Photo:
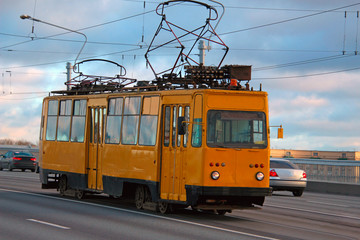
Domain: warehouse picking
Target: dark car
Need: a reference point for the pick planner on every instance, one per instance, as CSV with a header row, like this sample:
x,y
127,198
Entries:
x,y
286,176
18,160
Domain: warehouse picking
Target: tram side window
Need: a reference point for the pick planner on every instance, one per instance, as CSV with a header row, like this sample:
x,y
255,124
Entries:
x,y
78,121
129,134
114,118
51,120
148,122
197,123
63,130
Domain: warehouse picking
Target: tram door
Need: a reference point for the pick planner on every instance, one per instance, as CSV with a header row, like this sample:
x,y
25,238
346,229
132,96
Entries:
x,y
97,116
174,145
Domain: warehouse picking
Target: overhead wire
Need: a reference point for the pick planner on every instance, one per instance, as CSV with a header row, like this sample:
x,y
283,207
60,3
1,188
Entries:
x,y
307,75
284,50
264,25
236,31
89,27
288,20
64,61
146,12
313,60
21,99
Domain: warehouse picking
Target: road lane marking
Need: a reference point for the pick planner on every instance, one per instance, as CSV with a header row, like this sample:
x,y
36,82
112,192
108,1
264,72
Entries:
x,y
311,211
144,214
47,223
330,204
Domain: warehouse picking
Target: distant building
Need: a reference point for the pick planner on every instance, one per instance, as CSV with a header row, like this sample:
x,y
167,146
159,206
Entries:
x,y
333,166
313,154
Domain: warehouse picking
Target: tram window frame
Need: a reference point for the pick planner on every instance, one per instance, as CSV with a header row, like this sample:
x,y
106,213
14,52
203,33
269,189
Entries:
x,y
78,122
174,126
42,122
130,122
114,119
187,120
167,124
180,114
64,121
149,121
197,128
51,123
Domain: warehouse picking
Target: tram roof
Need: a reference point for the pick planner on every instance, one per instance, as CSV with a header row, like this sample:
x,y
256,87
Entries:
x,y
228,77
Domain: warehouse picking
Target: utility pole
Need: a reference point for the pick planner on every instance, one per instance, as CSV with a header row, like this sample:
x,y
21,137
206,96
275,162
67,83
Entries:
x,y
10,81
68,75
3,83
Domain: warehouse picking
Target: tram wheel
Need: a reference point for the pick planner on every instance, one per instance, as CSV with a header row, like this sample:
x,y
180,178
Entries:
x,y
62,185
220,212
79,194
164,207
139,197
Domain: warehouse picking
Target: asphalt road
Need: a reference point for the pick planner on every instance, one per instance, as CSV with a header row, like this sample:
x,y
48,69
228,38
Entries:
x,y
29,212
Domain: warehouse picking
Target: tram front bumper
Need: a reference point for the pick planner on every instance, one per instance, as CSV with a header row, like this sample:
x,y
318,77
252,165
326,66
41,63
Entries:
x,y
241,196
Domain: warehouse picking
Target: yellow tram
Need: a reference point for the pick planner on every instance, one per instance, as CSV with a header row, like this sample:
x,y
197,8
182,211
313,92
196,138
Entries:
x,y
201,140
208,148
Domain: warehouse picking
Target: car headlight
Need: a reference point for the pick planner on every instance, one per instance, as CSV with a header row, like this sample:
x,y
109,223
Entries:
x,y
215,175
259,176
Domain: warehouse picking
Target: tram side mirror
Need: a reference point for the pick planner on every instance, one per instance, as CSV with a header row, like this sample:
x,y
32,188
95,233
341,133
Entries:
x,y
181,126
280,132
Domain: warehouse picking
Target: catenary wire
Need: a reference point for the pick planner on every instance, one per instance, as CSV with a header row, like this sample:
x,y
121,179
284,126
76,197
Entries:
x,y
313,60
308,75
288,20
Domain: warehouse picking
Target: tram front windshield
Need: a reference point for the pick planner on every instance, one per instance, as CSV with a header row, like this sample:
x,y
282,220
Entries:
x,y
236,129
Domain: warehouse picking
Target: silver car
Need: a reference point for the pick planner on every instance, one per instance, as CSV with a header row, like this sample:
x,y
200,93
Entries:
x,y
286,176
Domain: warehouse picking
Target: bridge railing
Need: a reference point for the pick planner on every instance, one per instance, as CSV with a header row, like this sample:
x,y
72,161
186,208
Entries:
x,y
339,171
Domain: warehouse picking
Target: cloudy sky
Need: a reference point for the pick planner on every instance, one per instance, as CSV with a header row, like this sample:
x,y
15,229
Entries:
x,y
303,53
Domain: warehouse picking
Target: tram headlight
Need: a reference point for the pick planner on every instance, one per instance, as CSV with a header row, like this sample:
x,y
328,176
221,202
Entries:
x,y
259,176
215,175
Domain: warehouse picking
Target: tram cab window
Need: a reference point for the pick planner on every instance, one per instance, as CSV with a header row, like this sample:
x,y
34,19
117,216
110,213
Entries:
x,y
236,129
78,121
130,127
113,123
51,120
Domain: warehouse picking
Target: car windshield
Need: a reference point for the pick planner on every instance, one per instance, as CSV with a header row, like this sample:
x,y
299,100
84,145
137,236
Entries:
x,y
22,154
282,164
236,129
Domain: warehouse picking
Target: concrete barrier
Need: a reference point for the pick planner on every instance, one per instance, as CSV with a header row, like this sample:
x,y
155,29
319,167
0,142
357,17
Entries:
x,y
333,188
